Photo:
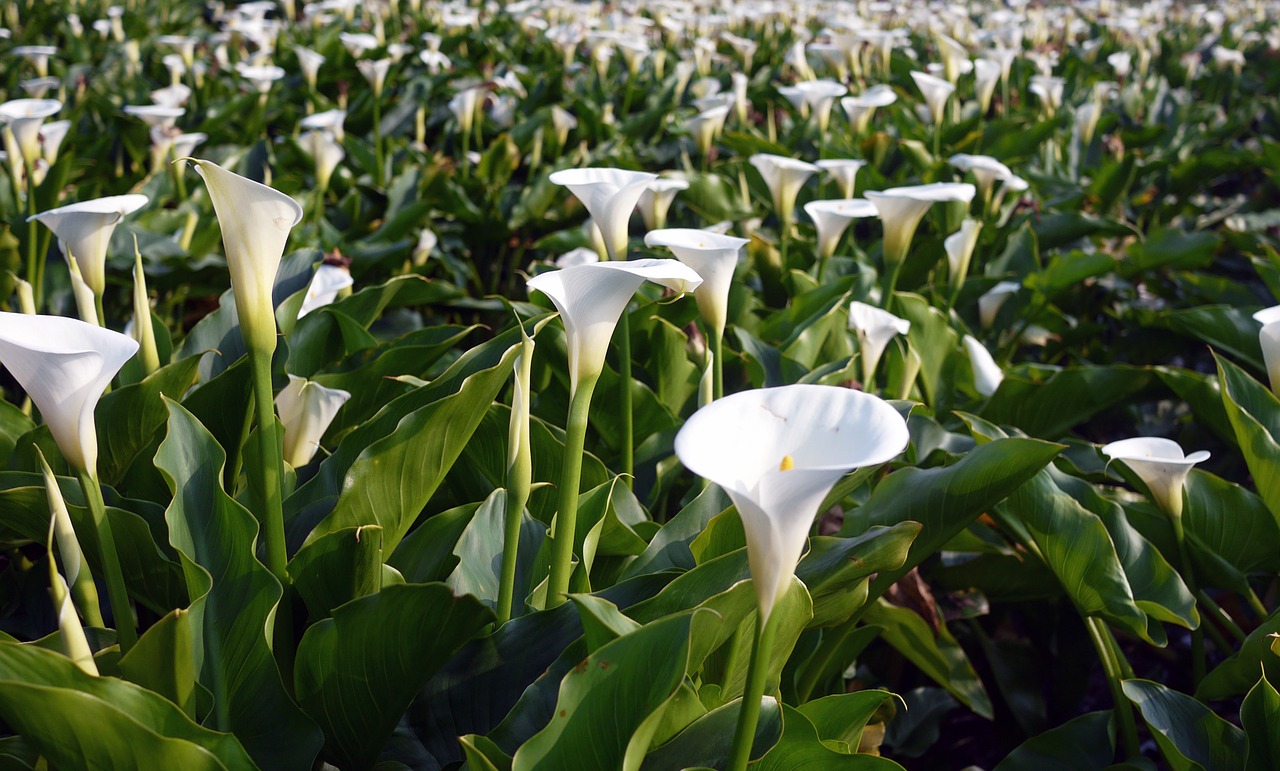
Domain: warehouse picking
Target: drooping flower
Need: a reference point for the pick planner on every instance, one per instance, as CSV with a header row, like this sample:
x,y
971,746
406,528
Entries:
x,y
987,375
306,410
777,452
1160,464
610,196
592,297
64,365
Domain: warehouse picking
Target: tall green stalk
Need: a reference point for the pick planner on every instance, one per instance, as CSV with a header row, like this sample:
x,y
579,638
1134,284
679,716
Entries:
x,y
519,479
1113,668
575,438
1198,664
624,399
757,673
117,592
717,366
268,478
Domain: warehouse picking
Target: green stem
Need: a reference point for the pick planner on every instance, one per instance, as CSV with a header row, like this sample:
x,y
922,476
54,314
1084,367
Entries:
x,y
1123,710
1252,599
269,474
749,715
377,140
717,366
117,592
35,262
1221,615
624,398
102,314
1198,665
575,439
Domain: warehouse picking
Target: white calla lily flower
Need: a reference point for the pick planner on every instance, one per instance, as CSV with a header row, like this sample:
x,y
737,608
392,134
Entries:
x,y
306,410
1269,338
987,375
986,76
784,176
902,208
714,257
844,171
657,198
862,107
936,92
991,300
25,117
1160,464
959,248
777,452
325,285
255,221
874,327
833,216
610,196
64,365
591,299
84,230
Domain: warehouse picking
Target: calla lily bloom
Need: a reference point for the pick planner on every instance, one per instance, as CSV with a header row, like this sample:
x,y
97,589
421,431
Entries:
x,y
610,196
325,285
844,171
818,96
591,299
861,108
84,230
874,327
25,117
1160,464
306,410
784,176
1049,90
986,76
832,217
987,375
902,208
1269,337
657,198
985,169
714,257
936,92
255,221
64,365
989,303
326,151
706,126
777,452
959,248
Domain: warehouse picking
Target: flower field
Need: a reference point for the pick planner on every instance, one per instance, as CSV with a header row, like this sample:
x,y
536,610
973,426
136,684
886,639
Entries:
x,y
648,385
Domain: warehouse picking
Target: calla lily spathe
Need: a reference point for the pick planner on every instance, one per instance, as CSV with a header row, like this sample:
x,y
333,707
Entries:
x,y
832,217
784,176
987,375
875,327
959,247
255,221
777,452
591,299
844,171
325,285
84,230
936,92
610,196
657,198
306,410
1160,464
64,365
902,208
714,257
25,117
1269,338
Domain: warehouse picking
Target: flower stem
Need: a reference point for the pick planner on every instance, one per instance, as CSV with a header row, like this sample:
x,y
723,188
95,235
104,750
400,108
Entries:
x,y
717,366
117,592
624,398
519,481
757,672
35,261
1111,666
575,438
268,476
1198,666
377,140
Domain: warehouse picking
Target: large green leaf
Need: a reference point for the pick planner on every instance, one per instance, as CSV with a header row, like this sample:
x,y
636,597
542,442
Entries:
x,y
386,470
77,720
1190,736
933,339
937,655
609,696
669,548
128,418
1260,716
233,596
708,740
357,672
1255,415
1239,672
337,568
947,500
842,717
1227,329
1048,401
480,548
801,749
164,661
1085,743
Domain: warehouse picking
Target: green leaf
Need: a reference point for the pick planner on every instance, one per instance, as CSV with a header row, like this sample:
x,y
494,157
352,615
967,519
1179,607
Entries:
x,y
670,547
801,749
932,337
708,740
128,418
1227,329
340,567
357,672
71,717
163,661
480,547
947,500
938,656
13,424
842,717
1239,672
1255,415
233,596
605,700
1189,735
391,479
1085,743
1260,716
1048,401
835,569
